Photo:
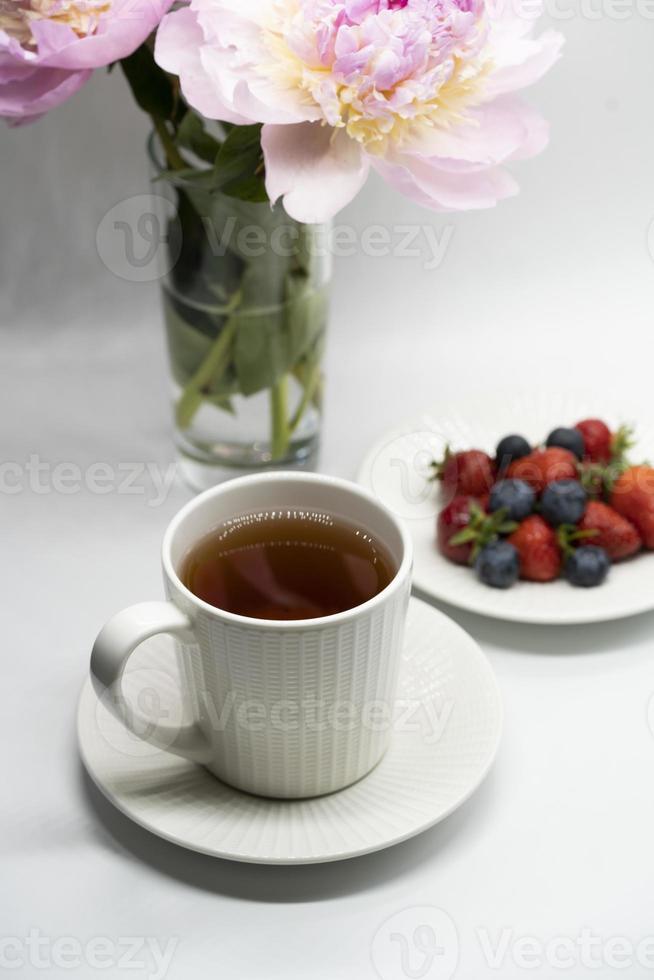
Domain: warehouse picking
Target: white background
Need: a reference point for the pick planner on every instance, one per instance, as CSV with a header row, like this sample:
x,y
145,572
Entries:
x,y
554,289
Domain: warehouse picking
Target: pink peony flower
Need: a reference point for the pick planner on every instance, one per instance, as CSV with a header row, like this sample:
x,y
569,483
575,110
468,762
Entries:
x,y
420,90
49,48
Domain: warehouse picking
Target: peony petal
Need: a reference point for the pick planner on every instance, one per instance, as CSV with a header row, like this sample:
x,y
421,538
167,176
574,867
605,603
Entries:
x,y
119,34
257,11
233,52
317,170
15,62
522,61
239,91
44,89
51,38
178,50
505,129
517,17
443,190
536,131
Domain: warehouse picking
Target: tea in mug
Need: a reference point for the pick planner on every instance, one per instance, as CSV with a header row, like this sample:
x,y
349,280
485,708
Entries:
x,y
287,564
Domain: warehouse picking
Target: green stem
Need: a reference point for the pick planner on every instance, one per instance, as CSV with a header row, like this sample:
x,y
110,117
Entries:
x,y
310,389
214,364
280,434
173,156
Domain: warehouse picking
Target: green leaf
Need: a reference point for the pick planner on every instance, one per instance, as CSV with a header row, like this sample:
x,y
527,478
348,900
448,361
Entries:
x,y
201,179
206,272
260,351
192,135
150,85
309,374
223,402
188,347
247,189
239,157
622,441
464,536
275,331
306,314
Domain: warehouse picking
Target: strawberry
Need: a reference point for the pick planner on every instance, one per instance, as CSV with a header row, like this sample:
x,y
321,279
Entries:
x,y
605,457
596,478
463,527
633,497
544,466
597,438
452,519
470,473
484,500
615,533
537,546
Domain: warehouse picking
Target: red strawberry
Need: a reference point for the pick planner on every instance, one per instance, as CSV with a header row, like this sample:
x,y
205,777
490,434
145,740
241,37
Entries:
x,y
598,440
617,535
465,518
604,460
544,466
452,519
470,473
540,555
633,498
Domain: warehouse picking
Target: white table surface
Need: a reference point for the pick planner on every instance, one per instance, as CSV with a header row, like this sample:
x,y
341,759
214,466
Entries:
x,y
555,286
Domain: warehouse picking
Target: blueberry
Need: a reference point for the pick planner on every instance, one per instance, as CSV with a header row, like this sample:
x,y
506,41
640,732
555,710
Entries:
x,y
498,564
510,448
587,566
515,496
563,502
570,439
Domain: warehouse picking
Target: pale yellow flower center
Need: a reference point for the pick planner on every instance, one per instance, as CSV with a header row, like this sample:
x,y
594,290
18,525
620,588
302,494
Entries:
x,y
432,95
82,16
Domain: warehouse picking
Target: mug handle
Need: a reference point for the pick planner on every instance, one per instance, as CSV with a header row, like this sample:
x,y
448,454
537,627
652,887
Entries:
x,y
112,649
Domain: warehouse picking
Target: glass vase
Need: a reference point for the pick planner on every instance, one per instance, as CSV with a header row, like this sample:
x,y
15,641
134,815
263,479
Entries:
x,y
245,293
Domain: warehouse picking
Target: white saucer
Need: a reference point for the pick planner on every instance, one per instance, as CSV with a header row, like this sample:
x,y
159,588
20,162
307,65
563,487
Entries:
x,y
438,757
397,471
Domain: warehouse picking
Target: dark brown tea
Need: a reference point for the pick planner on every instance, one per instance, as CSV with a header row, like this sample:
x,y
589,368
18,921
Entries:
x,y
287,564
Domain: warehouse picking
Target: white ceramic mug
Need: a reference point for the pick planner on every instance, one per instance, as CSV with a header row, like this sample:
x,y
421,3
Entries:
x,y
283,709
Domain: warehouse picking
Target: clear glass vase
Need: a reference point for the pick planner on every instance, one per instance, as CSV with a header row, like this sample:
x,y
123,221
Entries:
x,y
245,294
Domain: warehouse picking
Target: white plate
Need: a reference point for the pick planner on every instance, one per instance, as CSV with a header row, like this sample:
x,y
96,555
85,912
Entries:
x,y
444,741
397,471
